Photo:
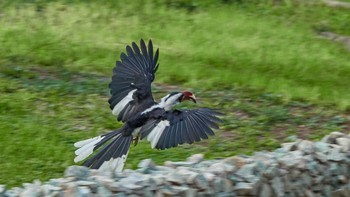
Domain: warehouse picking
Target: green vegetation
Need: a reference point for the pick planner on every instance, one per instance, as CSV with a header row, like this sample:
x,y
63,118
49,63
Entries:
x,y
262,63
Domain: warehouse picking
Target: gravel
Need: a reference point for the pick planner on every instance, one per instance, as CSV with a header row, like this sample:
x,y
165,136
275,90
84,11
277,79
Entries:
x,y
298,168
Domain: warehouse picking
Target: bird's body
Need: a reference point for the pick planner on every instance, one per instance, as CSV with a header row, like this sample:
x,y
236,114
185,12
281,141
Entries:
x,y
132,102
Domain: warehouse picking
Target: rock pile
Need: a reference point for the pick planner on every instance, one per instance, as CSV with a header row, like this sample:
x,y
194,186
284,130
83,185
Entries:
x,y
299,168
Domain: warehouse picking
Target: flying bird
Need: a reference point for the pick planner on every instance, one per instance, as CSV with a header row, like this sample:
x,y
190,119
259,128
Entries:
x,y
132,103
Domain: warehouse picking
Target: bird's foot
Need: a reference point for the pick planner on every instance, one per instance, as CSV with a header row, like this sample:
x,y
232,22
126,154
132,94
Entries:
x,y
135,140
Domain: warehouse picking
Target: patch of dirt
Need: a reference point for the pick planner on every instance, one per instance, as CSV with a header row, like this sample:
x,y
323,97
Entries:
x,y
345,40
337,4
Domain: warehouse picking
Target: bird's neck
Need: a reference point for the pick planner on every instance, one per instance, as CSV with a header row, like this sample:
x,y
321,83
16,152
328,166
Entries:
x,y
169,101
166,103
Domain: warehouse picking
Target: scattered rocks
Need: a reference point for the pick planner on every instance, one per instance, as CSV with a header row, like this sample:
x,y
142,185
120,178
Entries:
x,y
298,168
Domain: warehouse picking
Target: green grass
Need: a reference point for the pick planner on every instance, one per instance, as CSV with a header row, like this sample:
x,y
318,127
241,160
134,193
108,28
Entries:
x,y
263,65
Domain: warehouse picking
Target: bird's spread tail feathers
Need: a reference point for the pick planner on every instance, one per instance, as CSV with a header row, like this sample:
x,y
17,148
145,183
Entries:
x,y
112,155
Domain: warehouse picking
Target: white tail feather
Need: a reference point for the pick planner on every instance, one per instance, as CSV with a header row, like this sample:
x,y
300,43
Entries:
x,y
120,106
155,134
83,142
86,148
114,164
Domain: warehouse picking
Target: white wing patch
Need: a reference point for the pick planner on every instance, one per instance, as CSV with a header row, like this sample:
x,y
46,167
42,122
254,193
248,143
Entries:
x,y
120,106
86,148
157,131
166,103
114,164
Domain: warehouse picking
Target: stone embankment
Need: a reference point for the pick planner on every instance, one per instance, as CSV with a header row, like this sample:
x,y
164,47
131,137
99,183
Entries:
x,y
299,168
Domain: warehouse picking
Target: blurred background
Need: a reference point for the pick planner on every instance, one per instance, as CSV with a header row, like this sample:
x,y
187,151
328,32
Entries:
x,y
275,67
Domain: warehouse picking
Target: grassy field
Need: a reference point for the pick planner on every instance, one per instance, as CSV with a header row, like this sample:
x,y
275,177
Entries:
x,y
263,64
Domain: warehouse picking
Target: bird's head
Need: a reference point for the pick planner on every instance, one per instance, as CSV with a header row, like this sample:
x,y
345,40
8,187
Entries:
x,y
175,98
188,96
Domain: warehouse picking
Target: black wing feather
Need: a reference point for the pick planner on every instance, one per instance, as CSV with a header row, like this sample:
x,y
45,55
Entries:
x,y
135,70
186,126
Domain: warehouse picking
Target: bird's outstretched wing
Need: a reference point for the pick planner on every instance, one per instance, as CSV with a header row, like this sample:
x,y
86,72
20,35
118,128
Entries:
x,y
131,81
178,127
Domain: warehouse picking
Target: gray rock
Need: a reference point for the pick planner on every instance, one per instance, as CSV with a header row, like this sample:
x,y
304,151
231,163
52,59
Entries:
x,y
336,134
191,193
201,182
270,172
11,193
291,138
90,184
167,191
186,174
277,186
175,178
163,170
340,193
294,174
225,194
79,172
328,139
209,176
266,191
335,155
131,186
306,179
146,163
227,185
135,178
302,165
147,192
306,146
49,189
84,191
289,146
244,189
321,147
196,158
102,191
321,157
180,163
218,185
246,170
291,159
309,193
61,181
180,190
158,179
105,181
327,191
2,189
237,178
344,143
313,167
229,161
71,189
344,169
342,179
32,189
261,166
217,168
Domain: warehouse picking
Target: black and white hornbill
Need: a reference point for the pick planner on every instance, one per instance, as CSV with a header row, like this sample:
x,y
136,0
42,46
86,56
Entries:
x,y
133,104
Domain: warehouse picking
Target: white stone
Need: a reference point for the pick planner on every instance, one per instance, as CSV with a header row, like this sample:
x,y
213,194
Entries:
x,y
344,143
196,158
